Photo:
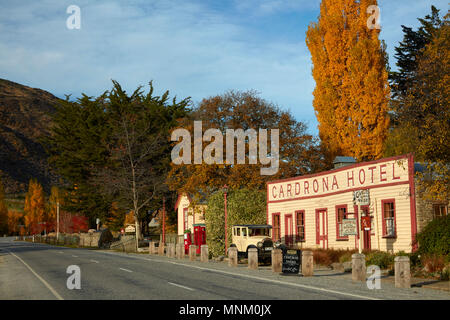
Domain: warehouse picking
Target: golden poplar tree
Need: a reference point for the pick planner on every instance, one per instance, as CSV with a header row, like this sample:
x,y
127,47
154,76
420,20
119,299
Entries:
x,y
352,92
52,204
34,208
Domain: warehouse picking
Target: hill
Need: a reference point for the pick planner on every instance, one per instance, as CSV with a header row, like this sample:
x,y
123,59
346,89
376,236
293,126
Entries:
x,y
24,119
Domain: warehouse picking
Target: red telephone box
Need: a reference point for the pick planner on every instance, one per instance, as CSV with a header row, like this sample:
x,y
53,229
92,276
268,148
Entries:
x,y
199,236
187,241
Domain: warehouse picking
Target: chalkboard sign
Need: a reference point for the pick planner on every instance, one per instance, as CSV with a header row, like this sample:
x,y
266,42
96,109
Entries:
x,y
292,260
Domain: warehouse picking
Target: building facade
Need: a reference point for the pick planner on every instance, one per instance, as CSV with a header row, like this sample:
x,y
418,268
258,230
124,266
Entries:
x,y
189,215
310,211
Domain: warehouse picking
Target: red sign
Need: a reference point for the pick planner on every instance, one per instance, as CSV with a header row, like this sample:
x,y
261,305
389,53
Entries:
x,y
365,223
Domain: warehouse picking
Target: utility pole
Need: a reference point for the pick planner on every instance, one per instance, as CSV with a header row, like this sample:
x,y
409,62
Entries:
x,y
164,221
225,192
57,220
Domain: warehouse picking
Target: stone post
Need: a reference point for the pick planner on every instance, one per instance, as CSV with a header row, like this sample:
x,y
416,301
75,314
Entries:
x,y
204,257
180,250
307,263
151,247
253,258
192,252
171,250
277,260
161,248
402,272
168,246
232,257
358,267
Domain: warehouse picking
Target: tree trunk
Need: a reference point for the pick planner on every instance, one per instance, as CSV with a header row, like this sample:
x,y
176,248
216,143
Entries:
x,y
138,232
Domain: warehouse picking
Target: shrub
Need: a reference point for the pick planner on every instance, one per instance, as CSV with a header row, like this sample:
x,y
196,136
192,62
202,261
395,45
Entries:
x,y
328,256
382,259
346,257
433,262
435,237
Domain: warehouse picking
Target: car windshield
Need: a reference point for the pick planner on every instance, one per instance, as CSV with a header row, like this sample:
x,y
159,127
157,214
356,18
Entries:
x,y
259,232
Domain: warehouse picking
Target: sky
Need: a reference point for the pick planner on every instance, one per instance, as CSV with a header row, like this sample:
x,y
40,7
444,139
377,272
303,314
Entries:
x,y
193,48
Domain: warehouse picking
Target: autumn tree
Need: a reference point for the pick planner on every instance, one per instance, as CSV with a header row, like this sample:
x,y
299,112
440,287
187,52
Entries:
x,y
3,212
54,200
34,208
408,118
234,110
15,218
116,219
352,92
427,104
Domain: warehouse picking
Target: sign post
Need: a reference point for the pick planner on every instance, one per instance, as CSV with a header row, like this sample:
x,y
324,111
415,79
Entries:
x,y
361,198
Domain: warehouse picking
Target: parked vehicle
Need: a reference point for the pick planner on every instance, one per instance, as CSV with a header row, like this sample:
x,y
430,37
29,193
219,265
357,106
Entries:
x,y
257,236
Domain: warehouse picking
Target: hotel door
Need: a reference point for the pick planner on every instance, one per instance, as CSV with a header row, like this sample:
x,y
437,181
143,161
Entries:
x,y
366,233
288,233
322,228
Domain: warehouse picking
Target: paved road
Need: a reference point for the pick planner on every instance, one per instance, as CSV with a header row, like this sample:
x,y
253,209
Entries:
x,y
38,271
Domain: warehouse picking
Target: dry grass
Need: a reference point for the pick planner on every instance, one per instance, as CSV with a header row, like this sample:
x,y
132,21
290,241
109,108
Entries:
x,y
328,256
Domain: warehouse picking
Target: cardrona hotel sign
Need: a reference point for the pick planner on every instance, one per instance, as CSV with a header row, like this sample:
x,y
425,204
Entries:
x,y
346,179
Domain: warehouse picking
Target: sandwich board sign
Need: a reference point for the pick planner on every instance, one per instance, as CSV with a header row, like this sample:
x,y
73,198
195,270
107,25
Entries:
x,y
292,261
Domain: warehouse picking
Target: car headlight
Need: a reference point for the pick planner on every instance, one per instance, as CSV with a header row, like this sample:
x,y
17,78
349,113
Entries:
x,y
260,244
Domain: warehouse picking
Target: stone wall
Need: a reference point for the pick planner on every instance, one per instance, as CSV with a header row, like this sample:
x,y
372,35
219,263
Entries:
x,y
127,243
424,211
89,239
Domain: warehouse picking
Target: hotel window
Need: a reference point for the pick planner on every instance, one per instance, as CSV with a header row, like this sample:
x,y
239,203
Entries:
x,y
300,225
388,218
439,210
341,214
276,226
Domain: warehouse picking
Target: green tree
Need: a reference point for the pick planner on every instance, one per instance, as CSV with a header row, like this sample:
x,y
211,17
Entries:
x,y
77,144
244,206
114,148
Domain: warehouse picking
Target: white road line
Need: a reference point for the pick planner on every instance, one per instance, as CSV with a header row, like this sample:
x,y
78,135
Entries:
x,y
94,261
39,277
125,270
179,285
74,256
60,252
257,278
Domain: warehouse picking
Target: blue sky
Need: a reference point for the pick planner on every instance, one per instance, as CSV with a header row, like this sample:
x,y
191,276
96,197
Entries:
x,y
196,48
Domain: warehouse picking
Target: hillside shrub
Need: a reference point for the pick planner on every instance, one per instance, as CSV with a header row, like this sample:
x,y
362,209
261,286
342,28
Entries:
x,y
435,237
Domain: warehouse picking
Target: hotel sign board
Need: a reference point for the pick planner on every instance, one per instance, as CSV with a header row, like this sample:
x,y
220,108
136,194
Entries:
x,y
349,227
346,179
361,197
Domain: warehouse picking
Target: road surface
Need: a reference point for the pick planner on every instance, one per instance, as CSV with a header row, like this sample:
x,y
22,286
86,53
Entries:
x,y
31,271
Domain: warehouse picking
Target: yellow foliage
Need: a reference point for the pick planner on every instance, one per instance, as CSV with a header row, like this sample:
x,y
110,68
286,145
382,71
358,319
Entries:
x,y
352,92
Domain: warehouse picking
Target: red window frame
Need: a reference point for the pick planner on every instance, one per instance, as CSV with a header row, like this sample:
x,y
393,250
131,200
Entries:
x,y
276,229
384,219
338,235
299,238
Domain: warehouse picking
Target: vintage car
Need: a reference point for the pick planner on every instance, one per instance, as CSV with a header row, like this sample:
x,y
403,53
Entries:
x,y
246,236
